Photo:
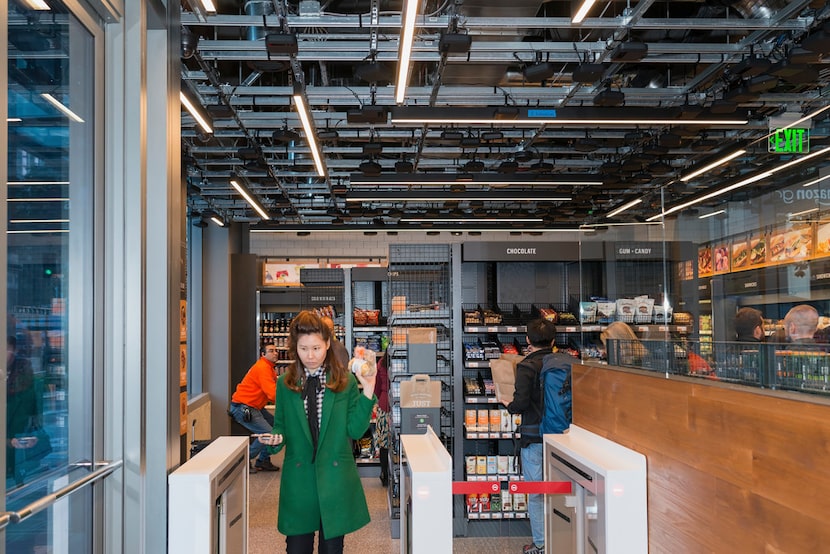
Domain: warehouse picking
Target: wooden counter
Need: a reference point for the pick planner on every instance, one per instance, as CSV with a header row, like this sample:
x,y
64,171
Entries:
x,y
731,469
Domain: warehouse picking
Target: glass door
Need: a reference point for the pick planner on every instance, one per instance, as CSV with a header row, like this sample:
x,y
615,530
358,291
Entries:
x,y
49,235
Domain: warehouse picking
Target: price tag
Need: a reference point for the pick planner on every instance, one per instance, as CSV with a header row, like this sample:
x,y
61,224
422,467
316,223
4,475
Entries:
x,y
681,328
492,329
512,329
570,329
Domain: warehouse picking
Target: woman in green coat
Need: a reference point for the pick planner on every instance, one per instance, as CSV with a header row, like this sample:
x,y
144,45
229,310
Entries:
x,y
319,411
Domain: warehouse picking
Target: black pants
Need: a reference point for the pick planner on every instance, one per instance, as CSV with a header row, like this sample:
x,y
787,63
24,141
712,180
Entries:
x,y
304,544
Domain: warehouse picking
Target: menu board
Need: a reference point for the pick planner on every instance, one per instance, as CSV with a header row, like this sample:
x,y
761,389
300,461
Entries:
x,y
823,239
283,274
740,254
721,256
757,249
704,260
791,243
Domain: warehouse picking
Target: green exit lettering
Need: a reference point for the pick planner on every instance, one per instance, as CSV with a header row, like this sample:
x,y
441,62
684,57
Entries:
x,y
790,141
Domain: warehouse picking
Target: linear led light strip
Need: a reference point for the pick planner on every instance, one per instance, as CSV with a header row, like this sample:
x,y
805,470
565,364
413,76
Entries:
x,y
27,183
462,198
411,182
250,200
308,128
197,115
713,165
815,181
805,212
208,6
595,226
37,199
37,231
61,108
473,220
39,5
740,184
711,214
358,229
624,207
22,221
554,121
405,48
582,11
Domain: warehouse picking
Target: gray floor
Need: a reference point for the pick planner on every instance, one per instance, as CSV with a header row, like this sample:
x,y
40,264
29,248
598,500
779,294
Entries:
x,y
375,538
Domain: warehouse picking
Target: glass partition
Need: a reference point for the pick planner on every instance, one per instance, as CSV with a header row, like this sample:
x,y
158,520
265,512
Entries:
x,y
49,243
740,291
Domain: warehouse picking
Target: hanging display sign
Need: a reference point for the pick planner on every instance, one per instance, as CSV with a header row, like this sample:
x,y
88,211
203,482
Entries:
x,y
820,273
747,282
789,141
635,250
520,251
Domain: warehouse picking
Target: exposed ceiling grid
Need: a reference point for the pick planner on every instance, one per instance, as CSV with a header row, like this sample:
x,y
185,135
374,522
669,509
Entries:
x,y
526,67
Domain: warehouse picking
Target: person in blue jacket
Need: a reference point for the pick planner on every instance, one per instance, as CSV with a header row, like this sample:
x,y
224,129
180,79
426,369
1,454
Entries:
x,y
319,410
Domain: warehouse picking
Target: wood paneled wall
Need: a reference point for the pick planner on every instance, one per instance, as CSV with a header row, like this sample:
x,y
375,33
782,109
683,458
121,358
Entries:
x,y
730,469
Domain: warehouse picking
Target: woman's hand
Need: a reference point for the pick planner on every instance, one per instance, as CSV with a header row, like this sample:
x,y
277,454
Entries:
x,y
367,371
269,439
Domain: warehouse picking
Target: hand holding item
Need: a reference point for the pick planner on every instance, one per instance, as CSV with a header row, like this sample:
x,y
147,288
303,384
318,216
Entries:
x,y
364,362
269,439
364,366
24,442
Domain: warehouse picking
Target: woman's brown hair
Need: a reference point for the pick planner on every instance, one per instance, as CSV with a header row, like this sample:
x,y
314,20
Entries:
x,y
309,323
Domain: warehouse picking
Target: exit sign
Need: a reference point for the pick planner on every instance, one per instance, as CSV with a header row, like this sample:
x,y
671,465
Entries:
x,y
790,141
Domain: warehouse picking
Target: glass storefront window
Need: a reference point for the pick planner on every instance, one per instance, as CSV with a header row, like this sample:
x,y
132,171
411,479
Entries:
x,y
49,244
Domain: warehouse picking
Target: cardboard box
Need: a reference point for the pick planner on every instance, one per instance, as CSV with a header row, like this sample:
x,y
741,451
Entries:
x,y
398,304
422,350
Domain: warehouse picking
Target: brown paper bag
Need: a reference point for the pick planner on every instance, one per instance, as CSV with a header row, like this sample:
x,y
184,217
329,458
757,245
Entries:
x,y
420,392
504,375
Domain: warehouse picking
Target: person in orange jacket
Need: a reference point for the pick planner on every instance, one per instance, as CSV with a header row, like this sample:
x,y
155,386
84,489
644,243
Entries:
x,y
257,389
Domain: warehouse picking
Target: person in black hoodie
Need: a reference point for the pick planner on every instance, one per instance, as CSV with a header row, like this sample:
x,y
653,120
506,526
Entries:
x,y
527,400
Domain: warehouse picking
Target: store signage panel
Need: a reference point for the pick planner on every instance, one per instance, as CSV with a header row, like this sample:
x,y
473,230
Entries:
x,y
281,274
746,282
520,251
323,298
820,273
635,250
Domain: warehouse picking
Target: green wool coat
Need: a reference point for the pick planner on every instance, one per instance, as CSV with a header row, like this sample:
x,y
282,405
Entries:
x,y
328,490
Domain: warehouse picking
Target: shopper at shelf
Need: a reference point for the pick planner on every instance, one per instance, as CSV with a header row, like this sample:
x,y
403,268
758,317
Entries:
x,y
749,325
801,323
319,408
256,390
527,400
625,348
382,437
337,347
